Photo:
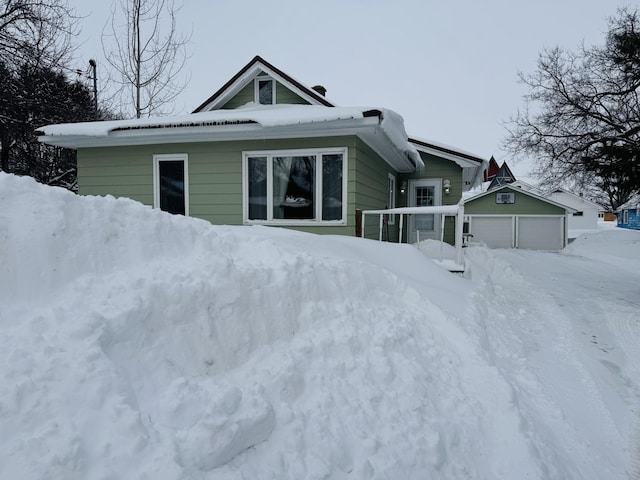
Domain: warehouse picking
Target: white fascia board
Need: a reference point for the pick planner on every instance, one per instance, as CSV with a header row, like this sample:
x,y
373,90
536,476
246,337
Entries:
x,y
461,161
476,169
213,133
367,128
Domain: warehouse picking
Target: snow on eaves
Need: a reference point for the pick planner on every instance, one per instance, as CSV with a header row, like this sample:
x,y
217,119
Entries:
x,y
633,202
271,116
450,149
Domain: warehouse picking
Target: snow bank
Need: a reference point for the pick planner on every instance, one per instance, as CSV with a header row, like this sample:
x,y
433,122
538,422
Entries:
x,y
616,246
136,344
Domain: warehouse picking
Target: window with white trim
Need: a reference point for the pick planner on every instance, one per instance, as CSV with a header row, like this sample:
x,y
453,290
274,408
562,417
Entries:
x,y
265,91
625,217
170,183
391,201
295,187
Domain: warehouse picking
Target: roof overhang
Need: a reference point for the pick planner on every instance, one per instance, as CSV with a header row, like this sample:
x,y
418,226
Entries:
x,y
472,166
383,136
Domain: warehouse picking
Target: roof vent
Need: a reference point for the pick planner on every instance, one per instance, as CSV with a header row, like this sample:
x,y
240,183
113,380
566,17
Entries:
x,y
320,89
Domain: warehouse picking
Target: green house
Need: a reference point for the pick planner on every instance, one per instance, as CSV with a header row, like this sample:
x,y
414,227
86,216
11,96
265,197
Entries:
x,y
267,150
510,216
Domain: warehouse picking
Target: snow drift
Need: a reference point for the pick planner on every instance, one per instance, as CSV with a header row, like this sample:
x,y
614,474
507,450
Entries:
x,y
136,344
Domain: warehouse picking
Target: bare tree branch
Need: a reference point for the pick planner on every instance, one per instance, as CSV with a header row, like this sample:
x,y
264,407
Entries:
x,y
147,53
581,120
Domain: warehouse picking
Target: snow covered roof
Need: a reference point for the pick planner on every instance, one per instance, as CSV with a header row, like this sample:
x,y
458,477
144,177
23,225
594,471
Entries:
x,y
381,128
563,196
527,187
633,202
473,166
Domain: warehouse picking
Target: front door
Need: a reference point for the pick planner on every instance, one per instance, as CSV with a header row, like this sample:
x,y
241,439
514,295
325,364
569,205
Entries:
x,y
425,193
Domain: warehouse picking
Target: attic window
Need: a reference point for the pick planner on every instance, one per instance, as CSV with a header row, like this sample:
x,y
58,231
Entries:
x,y
265,91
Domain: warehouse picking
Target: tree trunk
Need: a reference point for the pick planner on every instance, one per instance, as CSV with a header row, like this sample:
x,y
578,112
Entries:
x,y
4,151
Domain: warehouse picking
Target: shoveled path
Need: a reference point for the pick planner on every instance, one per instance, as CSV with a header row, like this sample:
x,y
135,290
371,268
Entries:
x,y
602,300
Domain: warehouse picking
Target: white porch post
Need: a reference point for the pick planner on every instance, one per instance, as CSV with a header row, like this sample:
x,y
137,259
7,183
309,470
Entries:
x,y
400,235
364,215
380,236
459,227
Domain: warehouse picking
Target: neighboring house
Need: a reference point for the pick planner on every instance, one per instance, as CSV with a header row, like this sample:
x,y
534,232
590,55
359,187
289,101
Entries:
x,y
585,216
629,214
267,150
504,176
512,217
527,187
491,170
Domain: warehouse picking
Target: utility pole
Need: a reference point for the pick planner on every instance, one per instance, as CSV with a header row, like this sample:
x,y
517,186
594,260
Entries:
x,y
92,64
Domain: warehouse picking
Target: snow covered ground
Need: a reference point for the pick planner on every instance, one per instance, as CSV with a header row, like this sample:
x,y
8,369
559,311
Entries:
x,y
136,344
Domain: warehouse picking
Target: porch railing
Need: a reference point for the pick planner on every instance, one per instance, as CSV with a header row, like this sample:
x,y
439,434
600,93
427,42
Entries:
x,y
456,211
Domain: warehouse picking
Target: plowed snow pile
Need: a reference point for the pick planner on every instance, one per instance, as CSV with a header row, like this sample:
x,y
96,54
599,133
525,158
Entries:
x,y
136,344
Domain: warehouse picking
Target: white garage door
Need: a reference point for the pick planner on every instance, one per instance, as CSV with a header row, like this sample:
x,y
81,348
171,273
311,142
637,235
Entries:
x,y
540,233
496,232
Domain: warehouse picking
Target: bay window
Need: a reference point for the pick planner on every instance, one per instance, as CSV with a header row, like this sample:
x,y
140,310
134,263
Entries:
x,y
295,186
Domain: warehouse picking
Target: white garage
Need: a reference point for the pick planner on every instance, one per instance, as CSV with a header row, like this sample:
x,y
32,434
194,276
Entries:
x,y
508,217
540,233
495,231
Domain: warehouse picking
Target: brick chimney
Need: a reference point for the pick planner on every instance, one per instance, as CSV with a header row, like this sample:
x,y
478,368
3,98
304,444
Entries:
x,y
320,89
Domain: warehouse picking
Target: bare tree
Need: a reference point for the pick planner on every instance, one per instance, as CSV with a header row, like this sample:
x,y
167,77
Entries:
x,y
581,120
147,53
37,32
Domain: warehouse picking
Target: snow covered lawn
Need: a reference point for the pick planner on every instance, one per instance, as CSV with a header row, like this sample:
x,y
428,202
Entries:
x,y
136,344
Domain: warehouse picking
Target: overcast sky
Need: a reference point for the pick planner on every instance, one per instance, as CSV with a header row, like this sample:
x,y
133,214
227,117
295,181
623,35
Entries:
x,y
449,68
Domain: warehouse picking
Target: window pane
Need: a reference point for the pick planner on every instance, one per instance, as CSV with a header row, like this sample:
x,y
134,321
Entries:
x,y
332,187
425,198
171,175
294,187
257,188
265,92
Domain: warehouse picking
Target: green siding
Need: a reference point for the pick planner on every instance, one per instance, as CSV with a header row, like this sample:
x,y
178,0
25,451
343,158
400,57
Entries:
x,y
524,205
215,178
244,96
439,168
247,95
372,177
215,175
284,95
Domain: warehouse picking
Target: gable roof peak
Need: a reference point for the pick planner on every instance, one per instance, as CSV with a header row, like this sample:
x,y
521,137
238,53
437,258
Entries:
x,y
248,73
502,177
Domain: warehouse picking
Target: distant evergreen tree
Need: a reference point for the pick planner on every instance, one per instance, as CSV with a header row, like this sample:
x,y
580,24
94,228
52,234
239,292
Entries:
x,y
31,97
40,96
35,49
